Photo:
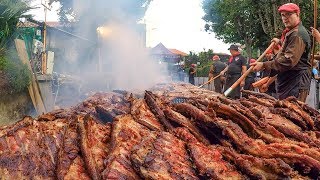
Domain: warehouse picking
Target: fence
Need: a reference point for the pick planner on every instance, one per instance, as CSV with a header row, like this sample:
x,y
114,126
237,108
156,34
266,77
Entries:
x,y
201,80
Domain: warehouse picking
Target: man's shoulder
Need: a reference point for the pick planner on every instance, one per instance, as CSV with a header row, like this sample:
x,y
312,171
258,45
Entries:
x,y
241,57
301,32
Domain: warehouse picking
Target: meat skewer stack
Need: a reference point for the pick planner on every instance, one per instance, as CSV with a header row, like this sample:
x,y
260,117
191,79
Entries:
x,y
172,131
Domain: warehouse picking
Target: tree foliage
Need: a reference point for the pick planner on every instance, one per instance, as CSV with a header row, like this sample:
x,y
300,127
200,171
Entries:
x,y
10,12
17,73
250,22
203,61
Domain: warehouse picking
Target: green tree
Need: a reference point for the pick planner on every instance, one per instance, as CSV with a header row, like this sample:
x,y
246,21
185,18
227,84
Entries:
x,y
232,21
203,61
10,12
17,73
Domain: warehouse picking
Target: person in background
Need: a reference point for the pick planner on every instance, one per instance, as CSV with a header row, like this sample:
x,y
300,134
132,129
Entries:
x,y
236,67
192,73
315,72
181,73
215,69
250,78
313,97
292,62
316,34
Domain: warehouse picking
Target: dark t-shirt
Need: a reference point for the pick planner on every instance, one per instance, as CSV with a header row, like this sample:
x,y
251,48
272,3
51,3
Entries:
x,y
235,66
218,66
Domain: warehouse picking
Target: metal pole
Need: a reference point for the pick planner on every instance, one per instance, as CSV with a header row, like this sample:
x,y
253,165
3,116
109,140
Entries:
x,y
44,55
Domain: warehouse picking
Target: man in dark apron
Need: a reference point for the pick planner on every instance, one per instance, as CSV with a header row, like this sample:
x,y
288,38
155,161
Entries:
x,y
215,69
236,67
292,62
192,73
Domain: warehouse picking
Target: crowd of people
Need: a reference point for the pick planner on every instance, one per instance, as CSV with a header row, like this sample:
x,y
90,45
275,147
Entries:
x,y
287,69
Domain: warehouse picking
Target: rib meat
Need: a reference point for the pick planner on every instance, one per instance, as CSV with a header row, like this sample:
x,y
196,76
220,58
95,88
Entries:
x,y
296,108
70,162
163,157
291,154
183,121
156,108
258,168
126,133
142,114
94,140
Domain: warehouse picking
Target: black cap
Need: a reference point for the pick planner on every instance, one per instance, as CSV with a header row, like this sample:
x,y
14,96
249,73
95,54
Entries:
x,y
234,47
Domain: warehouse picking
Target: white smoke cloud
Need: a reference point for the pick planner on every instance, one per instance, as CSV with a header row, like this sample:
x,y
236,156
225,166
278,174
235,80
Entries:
x,y
120,52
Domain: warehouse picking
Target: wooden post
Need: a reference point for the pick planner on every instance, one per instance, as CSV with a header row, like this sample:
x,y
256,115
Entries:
x,y
33,88
44,55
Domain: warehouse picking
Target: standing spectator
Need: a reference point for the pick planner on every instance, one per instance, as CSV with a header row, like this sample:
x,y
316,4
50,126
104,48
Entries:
x,y
215,69
236,67
250,78
313,97
192,73
181,73
292,62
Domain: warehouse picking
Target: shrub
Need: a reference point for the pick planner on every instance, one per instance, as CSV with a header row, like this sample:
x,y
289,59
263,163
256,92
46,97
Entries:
x,y
18,74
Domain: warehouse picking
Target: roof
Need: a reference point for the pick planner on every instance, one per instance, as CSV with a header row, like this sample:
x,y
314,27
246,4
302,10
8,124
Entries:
x,y
26,24
176,51
160,49
34,23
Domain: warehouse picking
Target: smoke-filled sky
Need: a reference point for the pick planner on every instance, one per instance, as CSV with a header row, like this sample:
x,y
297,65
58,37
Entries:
x,y
175,23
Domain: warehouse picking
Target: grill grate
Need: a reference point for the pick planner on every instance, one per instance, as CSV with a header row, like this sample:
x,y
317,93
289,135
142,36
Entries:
x,y
179,100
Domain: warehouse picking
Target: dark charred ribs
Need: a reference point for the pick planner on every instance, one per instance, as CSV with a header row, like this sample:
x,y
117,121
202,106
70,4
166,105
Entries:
x,y
258,95
155,107
183,121
29,149
263,102
163,157
258,168
70,162
25,122
250,124
142,114
178,131
208,159
126,133
289,153
282,124
94,140
293,106
291,115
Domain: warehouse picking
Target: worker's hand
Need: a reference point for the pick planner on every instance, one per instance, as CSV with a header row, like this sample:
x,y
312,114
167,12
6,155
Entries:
x,y
315,33
257,66
264,88
242,83
276,41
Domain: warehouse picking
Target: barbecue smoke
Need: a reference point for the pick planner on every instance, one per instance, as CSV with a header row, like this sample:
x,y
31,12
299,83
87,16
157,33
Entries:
x,y
115,58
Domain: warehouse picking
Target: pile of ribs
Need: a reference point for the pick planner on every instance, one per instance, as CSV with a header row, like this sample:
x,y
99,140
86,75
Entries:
x,y
170,131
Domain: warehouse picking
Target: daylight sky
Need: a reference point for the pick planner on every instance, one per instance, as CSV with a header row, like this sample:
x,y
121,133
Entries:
x,y
175,23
